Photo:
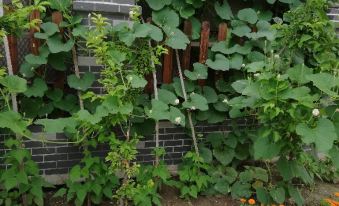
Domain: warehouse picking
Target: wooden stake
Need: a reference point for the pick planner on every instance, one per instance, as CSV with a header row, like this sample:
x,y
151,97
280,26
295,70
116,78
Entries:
x,y
168,66
204,43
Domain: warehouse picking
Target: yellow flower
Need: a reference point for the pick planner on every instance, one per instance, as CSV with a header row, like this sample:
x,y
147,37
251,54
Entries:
x,y
251,201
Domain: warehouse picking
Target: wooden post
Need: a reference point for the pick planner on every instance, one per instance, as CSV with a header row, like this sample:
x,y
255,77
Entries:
x,y
35,43
222,35
186,61
168,66
204,44
60,75
13,51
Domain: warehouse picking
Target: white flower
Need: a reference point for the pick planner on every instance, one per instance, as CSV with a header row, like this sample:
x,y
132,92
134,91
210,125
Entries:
x,y
177,120
177,101
243,65
150,111
277,56
193,108
130,78
225,101
132,14
257,74
278,76
316,112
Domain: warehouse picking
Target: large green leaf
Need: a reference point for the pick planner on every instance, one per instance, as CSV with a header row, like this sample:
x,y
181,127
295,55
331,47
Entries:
x,y
14,122
83,83
296,195
225,156
199,72
323,135
166,18
265,149
249,15
50,28
38,88
236,61
57,125
56,44
157,5
176,38
299,73
176,116
168,97
210,94
196,101
224,11
325,82
58,61
36,60
221,63
278,194
14,84
136,81
159,110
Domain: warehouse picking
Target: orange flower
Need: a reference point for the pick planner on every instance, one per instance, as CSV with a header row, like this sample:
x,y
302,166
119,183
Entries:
x,y
336,194
251,201
281,205
242,200
331,202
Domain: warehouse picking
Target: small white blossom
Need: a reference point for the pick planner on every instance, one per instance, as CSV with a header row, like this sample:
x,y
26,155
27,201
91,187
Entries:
x,y
192,93
132,14
177,120
277,56
337,110
177,101
316,112
278,76
257,74
193,108
243,65
225,101
150,111
130,78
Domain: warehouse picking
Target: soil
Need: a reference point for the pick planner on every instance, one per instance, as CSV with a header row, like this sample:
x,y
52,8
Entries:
x,y
313,197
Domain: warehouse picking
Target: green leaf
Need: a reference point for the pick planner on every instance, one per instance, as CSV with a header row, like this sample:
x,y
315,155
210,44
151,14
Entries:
x,y
241,30
221,63
60,193
57,125
225,156
255,66
196,28
50,28
199,72
264,149
224,11
210,94
75,173
298,73
27,69
249,15
166,18
38,88
58,60
176,39
10,183
187,12
262,195
334,154
159,110
56,45
323,135
196,101
176,116
157,5
296,195
35,60
85,116
278,195
168,97
222,187
240,190
83,83
206,154
14,122
136,81
325,82
14,84
236,61
155,33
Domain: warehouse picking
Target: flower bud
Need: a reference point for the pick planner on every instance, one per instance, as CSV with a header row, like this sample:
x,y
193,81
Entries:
x,y
315,112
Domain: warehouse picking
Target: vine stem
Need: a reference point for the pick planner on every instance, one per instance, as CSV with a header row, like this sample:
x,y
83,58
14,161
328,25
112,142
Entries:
x,y
189,114
156,97
77,73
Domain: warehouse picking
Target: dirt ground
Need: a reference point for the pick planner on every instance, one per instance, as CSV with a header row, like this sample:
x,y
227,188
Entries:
x,y
312,196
